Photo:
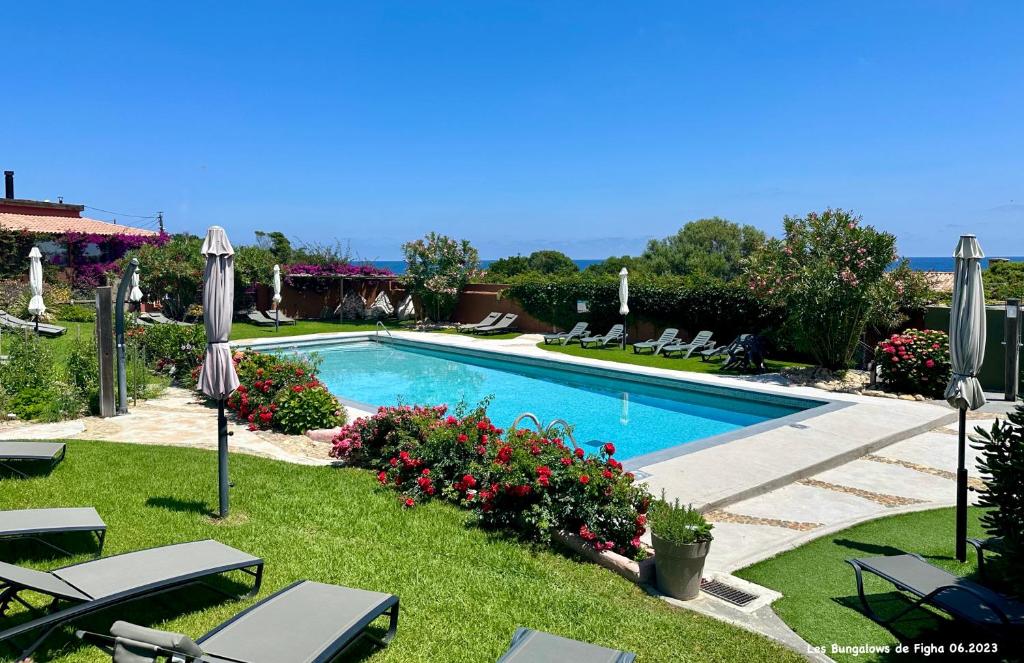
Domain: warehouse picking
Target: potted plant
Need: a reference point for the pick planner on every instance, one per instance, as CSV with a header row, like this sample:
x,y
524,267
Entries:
x,y
681,538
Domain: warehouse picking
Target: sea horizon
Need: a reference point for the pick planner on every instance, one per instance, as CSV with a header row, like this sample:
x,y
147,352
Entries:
x,y
917,263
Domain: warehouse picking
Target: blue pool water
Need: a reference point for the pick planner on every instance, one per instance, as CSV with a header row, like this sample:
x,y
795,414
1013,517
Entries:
x,y
639,419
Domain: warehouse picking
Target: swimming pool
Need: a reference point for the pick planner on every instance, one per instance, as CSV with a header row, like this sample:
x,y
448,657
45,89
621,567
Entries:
x,y
641,415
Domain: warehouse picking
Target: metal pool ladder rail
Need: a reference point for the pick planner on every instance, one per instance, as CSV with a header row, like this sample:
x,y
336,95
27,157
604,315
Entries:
x,y
376,331
546,430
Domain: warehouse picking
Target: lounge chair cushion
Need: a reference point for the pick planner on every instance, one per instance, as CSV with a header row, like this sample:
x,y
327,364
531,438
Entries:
x,y
917,576
30,450
118,573
296,624
40,581
132,641
530,646
39,521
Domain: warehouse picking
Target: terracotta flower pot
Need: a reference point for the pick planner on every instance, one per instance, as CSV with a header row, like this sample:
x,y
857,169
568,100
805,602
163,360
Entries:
x,y
679,566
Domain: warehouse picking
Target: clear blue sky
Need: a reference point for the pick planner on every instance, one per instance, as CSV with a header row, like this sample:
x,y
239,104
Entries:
x,y
583,126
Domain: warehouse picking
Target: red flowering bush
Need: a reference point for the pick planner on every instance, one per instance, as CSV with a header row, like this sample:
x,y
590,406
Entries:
x,y
281,393
915,361
520,481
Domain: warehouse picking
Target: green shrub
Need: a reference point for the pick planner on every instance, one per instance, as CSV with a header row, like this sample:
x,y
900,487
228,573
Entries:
x,y
172,349
1002,469
75,313
678,523
29,365
438,268
1004,280
825,272
81,368
302,408
693,304
519,481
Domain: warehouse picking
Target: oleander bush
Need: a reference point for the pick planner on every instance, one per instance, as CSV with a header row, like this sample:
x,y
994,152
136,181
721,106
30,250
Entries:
x,y
518,481
282,393
915,361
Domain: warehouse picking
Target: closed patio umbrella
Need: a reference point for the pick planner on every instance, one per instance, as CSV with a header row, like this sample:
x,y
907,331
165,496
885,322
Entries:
x,y
36,307
624,301
136,293
277,295
966,353
218,379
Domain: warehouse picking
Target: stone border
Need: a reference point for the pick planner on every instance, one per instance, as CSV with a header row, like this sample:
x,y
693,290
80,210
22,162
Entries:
x,y
639,572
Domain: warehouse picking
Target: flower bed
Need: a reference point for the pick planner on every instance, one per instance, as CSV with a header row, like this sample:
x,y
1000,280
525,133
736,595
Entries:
x,y
282,394
519,481
915,361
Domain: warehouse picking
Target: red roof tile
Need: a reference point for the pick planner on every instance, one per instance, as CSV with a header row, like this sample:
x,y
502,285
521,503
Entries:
x,y
56,225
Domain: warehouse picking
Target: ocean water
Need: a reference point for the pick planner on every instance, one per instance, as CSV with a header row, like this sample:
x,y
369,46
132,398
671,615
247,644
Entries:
x,y
638,418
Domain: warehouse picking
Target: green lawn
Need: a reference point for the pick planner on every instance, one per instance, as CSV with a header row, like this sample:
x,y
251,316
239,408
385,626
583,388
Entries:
x,y
627,356
463,590
492,337
820,598
244,330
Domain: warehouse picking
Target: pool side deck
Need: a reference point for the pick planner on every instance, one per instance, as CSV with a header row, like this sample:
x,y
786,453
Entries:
x,y
717,472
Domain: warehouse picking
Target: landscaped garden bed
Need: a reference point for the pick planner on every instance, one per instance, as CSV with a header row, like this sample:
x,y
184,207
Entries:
x,y
463,589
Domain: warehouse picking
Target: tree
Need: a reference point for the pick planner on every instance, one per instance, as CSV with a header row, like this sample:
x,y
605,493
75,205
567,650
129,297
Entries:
x,y
438,267
901,294
540,262
253,264
711,247
825,272
277,243
172,272
1004,280
614,265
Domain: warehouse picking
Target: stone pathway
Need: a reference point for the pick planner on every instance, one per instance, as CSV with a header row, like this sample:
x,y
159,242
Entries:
x,y
177,418
914,474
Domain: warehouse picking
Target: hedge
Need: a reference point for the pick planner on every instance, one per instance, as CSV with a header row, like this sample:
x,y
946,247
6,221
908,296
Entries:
x,y
727,309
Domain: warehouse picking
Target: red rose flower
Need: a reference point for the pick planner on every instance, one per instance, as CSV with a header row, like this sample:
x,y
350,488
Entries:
x,y
463,437
584,479
609,449
409,502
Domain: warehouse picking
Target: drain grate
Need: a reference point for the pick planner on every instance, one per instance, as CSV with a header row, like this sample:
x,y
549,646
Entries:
x,y
719,589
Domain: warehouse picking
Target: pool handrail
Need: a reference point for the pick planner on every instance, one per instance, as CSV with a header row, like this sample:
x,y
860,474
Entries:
x,y
545,430
380,325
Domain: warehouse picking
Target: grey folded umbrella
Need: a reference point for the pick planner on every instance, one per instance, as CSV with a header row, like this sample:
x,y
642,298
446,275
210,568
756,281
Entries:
x,y
218,379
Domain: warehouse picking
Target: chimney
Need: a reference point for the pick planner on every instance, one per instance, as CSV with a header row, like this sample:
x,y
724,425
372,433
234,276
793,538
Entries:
x,y
9,184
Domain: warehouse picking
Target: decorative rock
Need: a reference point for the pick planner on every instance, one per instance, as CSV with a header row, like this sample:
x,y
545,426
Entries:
x,y
906,397
919,397
873,392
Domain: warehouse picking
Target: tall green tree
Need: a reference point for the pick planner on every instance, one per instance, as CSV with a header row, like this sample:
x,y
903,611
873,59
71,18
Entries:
x,y
172,272
438,267
277,243
540,262
711,247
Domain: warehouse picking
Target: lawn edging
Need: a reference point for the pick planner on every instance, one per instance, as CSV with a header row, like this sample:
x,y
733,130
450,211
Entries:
x,y
640,572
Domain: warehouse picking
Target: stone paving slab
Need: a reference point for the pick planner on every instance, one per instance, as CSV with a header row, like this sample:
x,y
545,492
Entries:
x,y
933,449
28,431
886,479
802,503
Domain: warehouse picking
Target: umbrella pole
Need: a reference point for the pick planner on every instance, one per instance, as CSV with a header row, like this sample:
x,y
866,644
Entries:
x,y
277,318
222,457
961,490
625,330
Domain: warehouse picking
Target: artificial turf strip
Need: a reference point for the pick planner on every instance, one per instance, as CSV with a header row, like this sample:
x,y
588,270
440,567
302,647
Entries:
x,y
819,594
463,590
627,356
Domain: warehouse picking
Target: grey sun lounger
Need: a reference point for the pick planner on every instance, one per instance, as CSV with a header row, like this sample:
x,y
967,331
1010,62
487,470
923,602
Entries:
x,y
529,646
257,318
14,322
156,317
489,320
82,589
960,598
37,523
614,334
577,332
656,345
702,341
25,451
306,621
282,318
503,325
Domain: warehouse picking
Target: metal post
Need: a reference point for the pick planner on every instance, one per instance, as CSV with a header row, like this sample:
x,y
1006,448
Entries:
x,y
222,457
961,490
1011,339
277,318
105,341
122,378
625,331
